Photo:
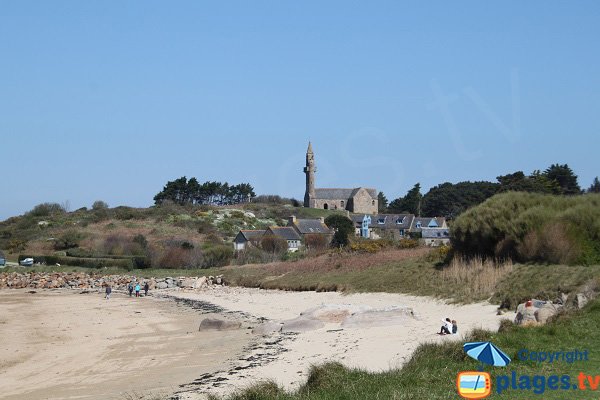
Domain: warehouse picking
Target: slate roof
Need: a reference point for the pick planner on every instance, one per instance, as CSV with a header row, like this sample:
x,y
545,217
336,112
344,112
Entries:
x,y
435,233
252,234
307,226
284,232
341,194
386,221
425,221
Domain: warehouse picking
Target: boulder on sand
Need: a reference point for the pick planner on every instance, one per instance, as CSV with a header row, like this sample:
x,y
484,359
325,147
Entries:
x,y
301,324
267,328
214,324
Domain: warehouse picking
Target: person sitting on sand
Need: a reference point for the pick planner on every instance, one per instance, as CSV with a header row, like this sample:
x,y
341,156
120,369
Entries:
x,y
446,329
108,291
454,327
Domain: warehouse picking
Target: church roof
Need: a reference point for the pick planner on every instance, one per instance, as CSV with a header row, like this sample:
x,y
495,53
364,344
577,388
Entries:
x,y
341,194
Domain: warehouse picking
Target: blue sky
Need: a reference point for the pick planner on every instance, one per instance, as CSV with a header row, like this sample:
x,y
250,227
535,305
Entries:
x,y
108,100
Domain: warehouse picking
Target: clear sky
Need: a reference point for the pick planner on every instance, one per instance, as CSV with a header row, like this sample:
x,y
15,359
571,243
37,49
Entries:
x,y
109,100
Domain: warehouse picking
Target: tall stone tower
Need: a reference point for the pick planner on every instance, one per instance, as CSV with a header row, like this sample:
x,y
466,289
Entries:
x,y
309,170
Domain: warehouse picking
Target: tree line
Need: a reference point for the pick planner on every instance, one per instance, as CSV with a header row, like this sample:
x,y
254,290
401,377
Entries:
x,y
183,192
451,199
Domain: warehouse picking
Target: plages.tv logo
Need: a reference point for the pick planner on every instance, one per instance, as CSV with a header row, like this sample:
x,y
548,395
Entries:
x,y
478,384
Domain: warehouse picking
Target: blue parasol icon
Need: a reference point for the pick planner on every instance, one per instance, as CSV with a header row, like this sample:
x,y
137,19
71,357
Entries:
x,y
487,353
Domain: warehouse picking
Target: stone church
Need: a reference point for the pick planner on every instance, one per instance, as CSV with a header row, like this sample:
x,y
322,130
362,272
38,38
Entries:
x,y
358,200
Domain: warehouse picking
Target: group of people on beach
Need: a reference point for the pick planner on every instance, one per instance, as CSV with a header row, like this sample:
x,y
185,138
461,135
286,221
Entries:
x,y
130,289
449,328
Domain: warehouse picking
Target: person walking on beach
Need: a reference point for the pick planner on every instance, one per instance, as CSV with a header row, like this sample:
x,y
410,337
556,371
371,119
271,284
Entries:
x,y
137,290
108,291
130,288
146,288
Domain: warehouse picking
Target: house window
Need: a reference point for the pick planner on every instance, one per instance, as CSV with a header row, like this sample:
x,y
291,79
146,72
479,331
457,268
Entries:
x,y
381,221
325,206
372,202
400,221
418,224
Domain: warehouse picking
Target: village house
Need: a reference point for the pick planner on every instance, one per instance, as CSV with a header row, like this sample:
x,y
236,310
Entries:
x,y
399,226
247,238
435,237
394,226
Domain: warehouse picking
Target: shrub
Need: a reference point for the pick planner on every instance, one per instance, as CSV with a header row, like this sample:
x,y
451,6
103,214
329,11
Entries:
x,y
46,209
217,256
68,240
99,205
408,243
369,246
532,227
272,244
315,242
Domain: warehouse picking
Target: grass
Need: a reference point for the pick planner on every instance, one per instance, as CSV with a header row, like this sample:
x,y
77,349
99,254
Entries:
x,y
432,370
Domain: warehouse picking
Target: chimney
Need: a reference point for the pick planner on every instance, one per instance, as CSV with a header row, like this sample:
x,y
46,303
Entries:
x,y
291,219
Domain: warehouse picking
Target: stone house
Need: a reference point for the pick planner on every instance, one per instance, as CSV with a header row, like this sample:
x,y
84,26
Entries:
x,y
420,223
435,237
394,226
247,238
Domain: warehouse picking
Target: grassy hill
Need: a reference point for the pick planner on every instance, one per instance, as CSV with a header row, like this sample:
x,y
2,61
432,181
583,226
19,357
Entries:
x,y
169,236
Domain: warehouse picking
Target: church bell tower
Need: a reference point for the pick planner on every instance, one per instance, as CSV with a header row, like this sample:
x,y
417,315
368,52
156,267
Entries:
x,y
309,170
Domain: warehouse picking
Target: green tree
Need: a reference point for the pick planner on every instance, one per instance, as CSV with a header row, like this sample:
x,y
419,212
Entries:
x,y
99,205
343,227
449,200
411,203
595,187
564,177
382,202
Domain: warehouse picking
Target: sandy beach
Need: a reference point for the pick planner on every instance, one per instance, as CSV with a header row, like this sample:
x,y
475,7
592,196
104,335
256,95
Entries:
x,y
61,344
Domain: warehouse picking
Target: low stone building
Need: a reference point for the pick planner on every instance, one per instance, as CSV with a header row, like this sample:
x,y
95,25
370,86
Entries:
x,y
394,226
435,237
247,238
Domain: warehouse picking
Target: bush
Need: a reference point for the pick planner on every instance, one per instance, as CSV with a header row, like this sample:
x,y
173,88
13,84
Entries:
x,y
68,240
99,205
369,246
408,243
217,256
273,244
315,242
532,227
46,209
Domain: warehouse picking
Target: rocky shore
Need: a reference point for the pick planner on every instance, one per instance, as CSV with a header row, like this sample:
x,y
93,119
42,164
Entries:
x,y
84,281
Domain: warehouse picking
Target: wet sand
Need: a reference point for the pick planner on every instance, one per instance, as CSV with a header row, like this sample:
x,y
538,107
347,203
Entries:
x,y
61,344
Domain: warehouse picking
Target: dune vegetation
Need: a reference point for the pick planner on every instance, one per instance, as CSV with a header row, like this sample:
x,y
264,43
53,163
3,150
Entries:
x,y
530,227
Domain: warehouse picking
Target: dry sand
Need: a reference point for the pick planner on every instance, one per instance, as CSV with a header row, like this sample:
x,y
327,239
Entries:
x,y
64,345
375,348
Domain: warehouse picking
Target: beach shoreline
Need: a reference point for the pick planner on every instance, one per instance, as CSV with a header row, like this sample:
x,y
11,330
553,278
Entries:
x,y
161,334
